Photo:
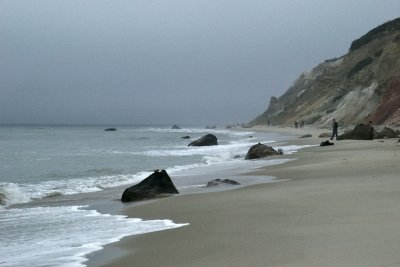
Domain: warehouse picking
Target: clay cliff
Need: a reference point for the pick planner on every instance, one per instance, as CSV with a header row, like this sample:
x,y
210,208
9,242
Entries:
x,y
361,86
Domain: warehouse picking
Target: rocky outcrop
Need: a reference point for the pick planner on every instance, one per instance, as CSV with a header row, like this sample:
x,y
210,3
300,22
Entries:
x,y
361,86
360,132
260,151
157,184
207,140
217,182
175,127
385,133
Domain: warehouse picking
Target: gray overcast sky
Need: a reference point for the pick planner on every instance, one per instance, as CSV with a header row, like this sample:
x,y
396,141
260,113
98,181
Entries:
x,y
171,61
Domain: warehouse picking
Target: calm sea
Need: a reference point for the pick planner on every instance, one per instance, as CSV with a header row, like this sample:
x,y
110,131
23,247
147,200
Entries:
x,y
52,177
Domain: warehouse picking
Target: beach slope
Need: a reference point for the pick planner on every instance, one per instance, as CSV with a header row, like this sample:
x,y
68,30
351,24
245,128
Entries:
x,y
339,207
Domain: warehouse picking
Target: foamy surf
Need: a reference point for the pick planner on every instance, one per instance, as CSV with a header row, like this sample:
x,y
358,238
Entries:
x,y
63,236
214,159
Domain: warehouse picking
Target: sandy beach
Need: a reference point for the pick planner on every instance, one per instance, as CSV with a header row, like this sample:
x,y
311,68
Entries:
x,y
335,206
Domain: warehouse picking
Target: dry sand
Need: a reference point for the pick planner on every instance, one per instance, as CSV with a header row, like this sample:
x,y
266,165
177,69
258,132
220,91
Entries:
x,y
341,207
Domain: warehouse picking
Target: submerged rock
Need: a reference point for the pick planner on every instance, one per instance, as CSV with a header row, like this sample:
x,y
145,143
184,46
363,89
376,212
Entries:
x,y
207,140
217,182
260,151
185,137
110,129
157,184
175,127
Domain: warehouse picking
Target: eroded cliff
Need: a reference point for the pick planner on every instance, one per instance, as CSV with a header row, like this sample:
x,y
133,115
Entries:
x,y
361,86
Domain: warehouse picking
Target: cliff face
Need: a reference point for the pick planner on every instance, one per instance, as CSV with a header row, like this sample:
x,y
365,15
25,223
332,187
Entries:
x,y
361,86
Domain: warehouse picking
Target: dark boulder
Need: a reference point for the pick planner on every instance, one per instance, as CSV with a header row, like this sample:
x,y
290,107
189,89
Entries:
x,y
306,136
110,129
360,132
217,182
157,184
260,151
385,133
326,143
207,140
397,133
186,137
175,127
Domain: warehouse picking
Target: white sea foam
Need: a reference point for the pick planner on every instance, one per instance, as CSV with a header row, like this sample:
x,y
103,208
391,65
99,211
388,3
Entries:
x,y
288,150
12,193
62,236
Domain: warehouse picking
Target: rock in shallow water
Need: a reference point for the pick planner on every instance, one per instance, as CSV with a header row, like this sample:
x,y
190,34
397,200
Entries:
x,y
207,140
260,151
217,182
158,183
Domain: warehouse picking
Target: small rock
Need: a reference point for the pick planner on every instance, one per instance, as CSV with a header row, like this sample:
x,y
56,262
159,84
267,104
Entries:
x,y
326,143
325,135
217,182
110,129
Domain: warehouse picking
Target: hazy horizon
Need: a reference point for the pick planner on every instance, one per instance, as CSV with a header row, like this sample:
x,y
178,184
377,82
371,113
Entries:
x,y
166,62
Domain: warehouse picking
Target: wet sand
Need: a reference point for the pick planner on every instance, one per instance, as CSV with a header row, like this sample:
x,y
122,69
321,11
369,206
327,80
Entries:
x,y
337,206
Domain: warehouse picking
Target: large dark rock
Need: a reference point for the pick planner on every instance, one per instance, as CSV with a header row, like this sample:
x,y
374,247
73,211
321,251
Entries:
x,y
207,140
158,183
385,133
217,182
260,151
175,127
360,132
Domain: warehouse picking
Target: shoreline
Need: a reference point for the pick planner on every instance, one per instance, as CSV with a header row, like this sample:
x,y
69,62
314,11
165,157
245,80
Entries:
x,y
339,208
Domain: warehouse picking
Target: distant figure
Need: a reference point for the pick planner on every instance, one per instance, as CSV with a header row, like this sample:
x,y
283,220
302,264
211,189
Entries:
x,y
296,125
302,124
334,130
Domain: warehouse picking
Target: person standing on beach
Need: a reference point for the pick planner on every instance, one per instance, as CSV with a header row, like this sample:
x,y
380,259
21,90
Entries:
x,y
335,129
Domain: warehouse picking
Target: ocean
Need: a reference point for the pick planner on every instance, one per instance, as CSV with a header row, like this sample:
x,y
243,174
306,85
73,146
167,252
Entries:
x,y
60,185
